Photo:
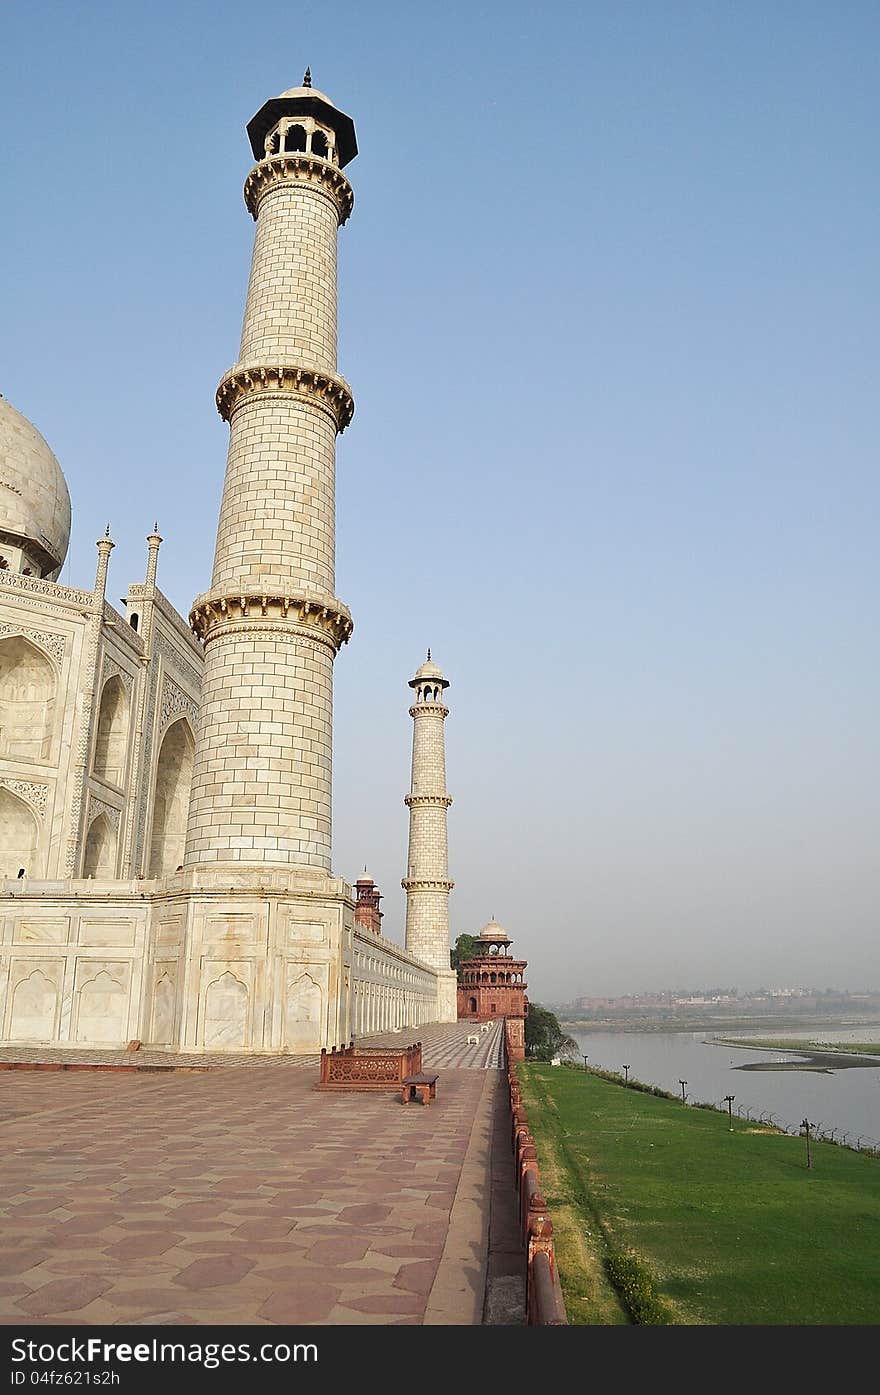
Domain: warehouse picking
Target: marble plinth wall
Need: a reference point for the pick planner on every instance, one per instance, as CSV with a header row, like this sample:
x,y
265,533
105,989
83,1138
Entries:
x,y
269,963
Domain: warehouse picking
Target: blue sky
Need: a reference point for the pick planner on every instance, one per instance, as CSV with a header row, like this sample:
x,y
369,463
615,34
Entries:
x,y
609,307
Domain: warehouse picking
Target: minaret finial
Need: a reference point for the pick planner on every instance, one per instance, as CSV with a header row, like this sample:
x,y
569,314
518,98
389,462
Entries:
x,y
156,525
307,78
107,531
429,656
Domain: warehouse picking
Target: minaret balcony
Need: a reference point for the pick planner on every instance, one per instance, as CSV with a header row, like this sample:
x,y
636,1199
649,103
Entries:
x,y
325,178
427,884
326,391
434,709
220,612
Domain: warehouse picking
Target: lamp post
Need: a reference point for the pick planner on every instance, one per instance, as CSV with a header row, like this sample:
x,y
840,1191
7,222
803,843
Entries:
x,y
806,1126
729,1099
683,1084
626,1072
583,1053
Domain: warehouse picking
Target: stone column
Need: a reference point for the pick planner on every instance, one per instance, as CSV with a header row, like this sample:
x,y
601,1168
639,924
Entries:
x,y
271,623
427,882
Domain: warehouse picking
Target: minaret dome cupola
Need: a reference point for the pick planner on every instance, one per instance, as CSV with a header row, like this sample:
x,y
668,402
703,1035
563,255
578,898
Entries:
x,y
429,682
303,121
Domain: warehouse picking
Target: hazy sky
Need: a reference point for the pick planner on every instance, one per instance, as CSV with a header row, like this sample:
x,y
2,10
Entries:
x,y
609,307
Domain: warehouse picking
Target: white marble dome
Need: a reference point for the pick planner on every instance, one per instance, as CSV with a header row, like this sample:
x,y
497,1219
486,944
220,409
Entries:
x,y
493,931
429,670
34,500
308,92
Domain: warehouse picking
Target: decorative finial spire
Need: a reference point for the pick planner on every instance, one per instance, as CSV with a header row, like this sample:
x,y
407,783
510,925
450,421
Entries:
x,y
429,656
105,546
307,78
154,542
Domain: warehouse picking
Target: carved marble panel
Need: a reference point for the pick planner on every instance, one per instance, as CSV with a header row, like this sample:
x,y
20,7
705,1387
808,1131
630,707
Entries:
x,y
35,1001
53,643
233,929
175,702
305,932
32,793
304,1008
226,1012
169,934
116,934
164,993
42,932
111,669
101,1002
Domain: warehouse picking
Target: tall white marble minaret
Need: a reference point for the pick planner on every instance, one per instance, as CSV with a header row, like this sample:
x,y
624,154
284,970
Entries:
x,y
269,927
427,882
271,623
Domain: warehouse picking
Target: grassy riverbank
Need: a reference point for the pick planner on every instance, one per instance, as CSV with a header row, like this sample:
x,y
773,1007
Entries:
x,y
663,1215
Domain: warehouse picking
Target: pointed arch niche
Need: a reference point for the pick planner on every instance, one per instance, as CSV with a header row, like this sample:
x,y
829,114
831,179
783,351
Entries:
x,y
226,1012
171,799
27,700
19,834
100,858
34,1008
112,735
305,1003
101,1009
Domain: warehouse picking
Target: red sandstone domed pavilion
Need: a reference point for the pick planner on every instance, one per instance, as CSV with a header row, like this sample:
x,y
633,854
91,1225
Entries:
x,y
492,984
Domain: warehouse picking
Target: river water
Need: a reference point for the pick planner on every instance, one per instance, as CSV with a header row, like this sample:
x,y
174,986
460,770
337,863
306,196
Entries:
x,y
844,1100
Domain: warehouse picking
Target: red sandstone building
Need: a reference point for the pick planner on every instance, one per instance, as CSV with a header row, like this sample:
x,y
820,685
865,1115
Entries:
x,y
492,984
366,906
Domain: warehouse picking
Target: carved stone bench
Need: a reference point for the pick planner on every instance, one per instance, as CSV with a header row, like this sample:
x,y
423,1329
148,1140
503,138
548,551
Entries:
x,y
419,1087
368,1067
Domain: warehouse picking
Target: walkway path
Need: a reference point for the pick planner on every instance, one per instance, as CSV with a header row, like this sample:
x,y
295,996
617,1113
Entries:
x,y
244,1196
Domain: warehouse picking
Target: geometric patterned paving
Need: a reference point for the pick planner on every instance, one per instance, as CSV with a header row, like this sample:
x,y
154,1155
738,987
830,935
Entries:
x,y
237,1196
444,1044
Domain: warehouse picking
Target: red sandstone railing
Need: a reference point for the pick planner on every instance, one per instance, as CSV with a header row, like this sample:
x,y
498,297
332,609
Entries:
x,y
544,1302
368,1067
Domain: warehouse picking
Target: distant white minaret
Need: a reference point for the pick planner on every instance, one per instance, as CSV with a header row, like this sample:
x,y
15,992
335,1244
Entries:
x,y
427,882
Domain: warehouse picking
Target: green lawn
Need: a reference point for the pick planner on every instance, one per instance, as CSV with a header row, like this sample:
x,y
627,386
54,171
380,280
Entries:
x,y
725,1228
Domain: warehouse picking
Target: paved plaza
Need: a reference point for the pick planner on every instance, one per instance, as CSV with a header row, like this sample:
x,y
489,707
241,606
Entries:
x,y
242,1195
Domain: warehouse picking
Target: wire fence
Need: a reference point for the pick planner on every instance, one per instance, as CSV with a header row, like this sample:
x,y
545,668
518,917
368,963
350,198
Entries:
x,y
844,1138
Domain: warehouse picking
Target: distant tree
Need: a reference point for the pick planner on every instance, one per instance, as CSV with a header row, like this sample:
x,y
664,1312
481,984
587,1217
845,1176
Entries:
x,y
465,947
544,1036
